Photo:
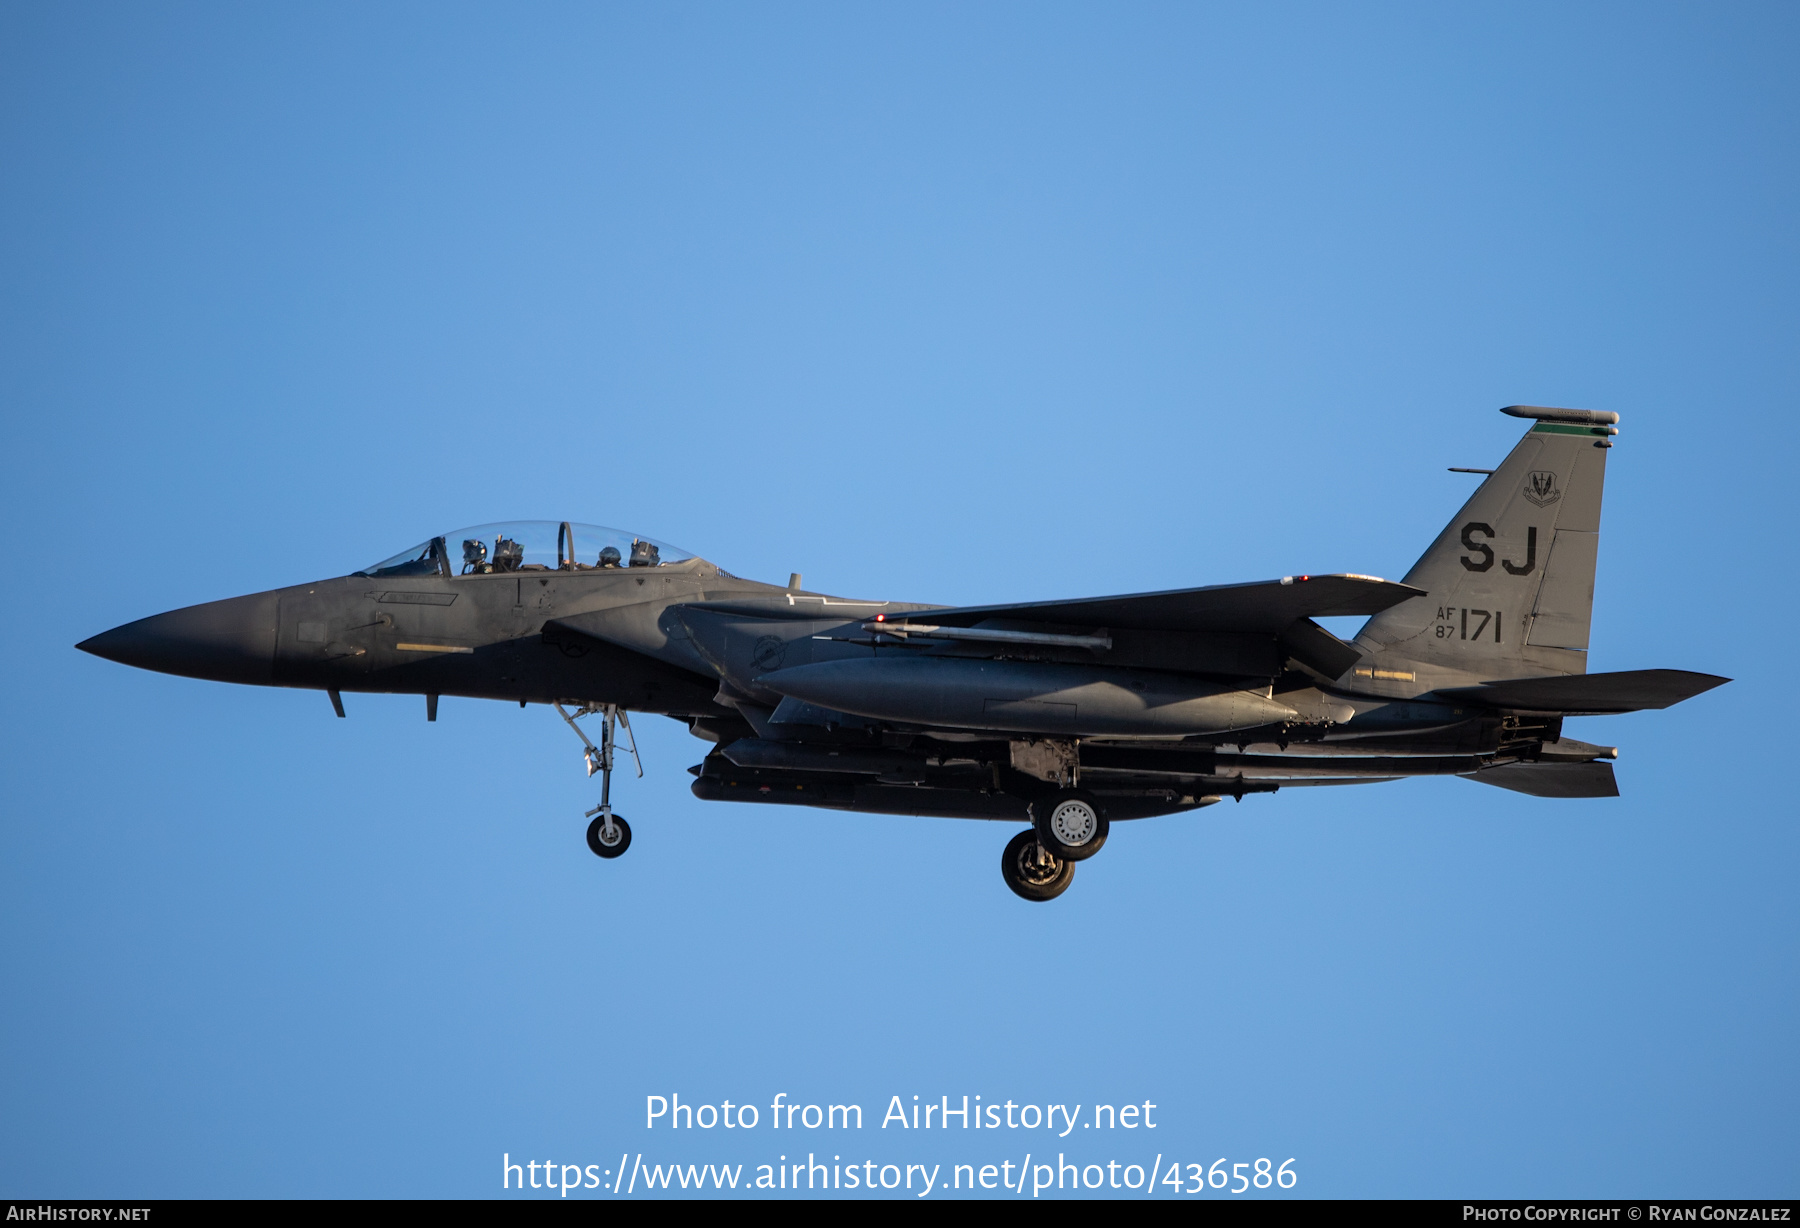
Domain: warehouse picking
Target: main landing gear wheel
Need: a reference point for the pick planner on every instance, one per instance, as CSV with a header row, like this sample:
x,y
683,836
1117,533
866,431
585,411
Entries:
x,y
1070,824
609,844
1033,871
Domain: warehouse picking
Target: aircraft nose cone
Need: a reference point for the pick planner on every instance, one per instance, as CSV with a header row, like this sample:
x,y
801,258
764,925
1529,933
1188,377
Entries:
x,y
227,641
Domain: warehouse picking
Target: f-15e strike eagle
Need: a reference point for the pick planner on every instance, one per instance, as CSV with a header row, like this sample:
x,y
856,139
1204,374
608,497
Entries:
x,y
1064,715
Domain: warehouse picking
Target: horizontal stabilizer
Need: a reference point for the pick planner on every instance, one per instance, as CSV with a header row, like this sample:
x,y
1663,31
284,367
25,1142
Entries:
x,y
1552,779
1267,606
1628,690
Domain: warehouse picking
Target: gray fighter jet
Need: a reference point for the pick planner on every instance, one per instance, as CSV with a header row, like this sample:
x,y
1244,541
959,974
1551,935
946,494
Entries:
x,y
1062,715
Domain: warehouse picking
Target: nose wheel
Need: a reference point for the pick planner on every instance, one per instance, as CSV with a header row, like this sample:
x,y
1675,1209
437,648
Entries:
x,y
608,835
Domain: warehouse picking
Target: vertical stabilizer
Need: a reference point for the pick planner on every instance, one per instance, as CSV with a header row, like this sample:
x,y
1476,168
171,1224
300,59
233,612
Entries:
x,y
1510,580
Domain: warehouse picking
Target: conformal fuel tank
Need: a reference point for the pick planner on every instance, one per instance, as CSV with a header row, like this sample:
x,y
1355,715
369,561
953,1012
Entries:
x,y
1025,697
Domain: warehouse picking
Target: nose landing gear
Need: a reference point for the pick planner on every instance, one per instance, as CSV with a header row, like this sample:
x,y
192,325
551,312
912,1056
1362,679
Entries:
x,y
608,835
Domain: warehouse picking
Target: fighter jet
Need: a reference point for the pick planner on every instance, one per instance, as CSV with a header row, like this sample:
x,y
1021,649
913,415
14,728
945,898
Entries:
x,y
1061,716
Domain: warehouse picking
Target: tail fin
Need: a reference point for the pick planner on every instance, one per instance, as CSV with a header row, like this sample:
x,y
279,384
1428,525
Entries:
x,y
1511,578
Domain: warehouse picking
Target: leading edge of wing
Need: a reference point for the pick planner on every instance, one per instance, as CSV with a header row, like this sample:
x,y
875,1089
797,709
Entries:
x,y
1265,605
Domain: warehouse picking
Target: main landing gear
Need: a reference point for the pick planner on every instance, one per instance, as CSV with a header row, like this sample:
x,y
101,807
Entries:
x,y
1066,827
608,835
1070,823
1033,871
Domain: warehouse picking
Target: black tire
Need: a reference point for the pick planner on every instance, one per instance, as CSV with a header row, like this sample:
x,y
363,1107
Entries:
x,y
609,851
1032,871
1070,823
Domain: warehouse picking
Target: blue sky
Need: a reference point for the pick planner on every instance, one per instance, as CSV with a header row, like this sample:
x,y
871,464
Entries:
x,y
948,303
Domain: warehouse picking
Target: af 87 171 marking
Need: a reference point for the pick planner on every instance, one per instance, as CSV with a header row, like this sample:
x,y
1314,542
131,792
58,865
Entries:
x,y
1454,621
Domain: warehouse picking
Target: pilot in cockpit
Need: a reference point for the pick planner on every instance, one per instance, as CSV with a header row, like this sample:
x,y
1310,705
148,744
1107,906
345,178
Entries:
x,y
474,557
509,555
609,557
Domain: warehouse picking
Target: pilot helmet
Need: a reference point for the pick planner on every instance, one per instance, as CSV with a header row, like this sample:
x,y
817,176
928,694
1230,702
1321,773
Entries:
x,y
609,556
644,554
474,553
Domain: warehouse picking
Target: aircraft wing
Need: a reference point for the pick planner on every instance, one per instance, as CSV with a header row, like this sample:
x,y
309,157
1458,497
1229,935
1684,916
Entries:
x,y
1266,606
1630,690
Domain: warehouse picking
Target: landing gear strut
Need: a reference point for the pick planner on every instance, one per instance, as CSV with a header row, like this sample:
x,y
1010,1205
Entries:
x,y
1032,871
608,835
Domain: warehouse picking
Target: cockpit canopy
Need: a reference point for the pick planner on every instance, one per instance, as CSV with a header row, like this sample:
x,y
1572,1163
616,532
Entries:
x,y
528,545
